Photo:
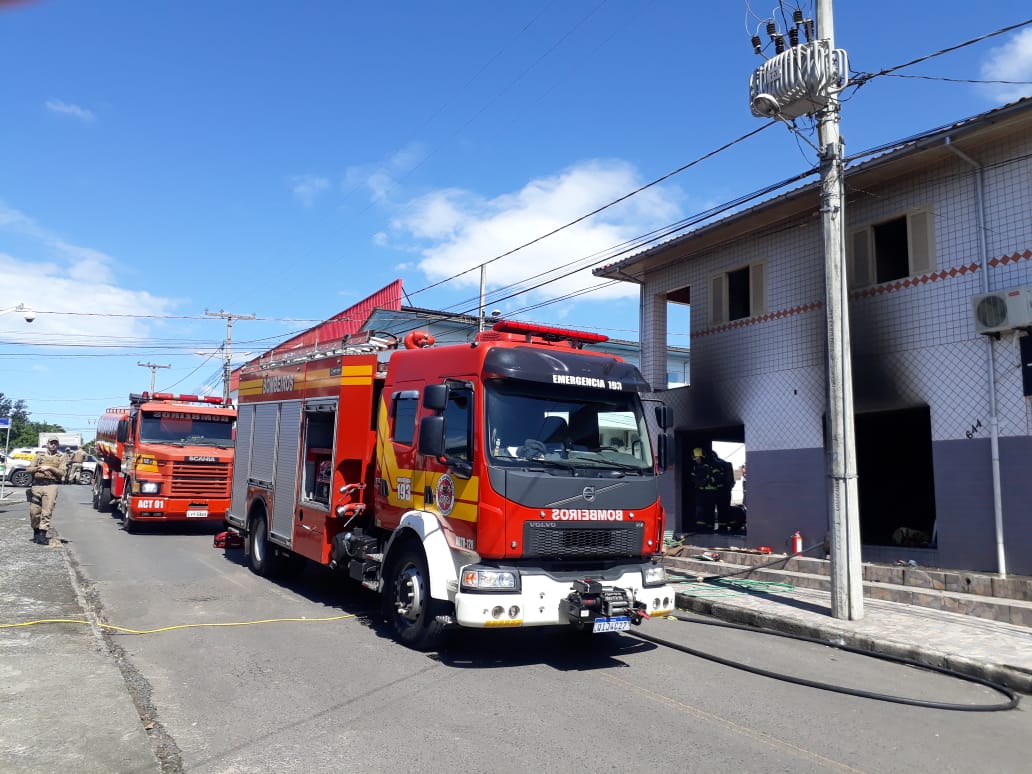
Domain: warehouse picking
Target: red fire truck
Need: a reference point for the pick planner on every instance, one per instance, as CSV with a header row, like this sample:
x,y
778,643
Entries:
x,y
504,482
165,457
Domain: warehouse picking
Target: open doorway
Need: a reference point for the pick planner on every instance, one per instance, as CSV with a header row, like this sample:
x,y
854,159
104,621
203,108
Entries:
x,y
713,480
896,486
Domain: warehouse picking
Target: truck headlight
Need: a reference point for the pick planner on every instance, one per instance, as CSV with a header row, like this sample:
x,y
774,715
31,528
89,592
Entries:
x,y
149,487
488,579
653,575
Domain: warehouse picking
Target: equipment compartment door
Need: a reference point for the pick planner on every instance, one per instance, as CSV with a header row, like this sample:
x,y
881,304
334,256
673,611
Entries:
x,y
242,459
287,464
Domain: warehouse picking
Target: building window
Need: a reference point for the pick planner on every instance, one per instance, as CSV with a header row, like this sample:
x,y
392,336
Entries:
x,y
739,293
891,250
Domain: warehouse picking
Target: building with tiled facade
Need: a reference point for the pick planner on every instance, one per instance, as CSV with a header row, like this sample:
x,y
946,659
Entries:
x,y
931,222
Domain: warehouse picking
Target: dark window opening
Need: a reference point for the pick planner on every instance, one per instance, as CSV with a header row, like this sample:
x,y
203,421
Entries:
x,y
458,436
896,488
891,255
318,471
405,406
738,294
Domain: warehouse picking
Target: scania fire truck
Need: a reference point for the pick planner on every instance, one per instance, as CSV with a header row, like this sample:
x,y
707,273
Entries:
x,y
165,457
505,482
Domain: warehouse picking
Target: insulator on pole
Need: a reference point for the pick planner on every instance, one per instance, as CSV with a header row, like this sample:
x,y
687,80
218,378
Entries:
x,y
779,44
757,44
793,37
772,29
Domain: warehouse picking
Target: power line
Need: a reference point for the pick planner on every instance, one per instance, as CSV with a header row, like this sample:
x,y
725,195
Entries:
x,y
865,77
604,207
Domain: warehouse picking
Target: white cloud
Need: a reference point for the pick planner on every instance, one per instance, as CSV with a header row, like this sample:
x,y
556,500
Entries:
x,y
60,276
1010,62
67,109
457,230
307,187
381,178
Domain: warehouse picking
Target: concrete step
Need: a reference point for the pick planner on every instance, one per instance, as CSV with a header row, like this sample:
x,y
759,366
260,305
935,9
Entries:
x,y
889,586
1017,587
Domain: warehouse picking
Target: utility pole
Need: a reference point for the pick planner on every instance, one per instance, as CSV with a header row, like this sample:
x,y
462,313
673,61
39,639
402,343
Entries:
x,y
805,78
483,280
153,372
847,594
227,347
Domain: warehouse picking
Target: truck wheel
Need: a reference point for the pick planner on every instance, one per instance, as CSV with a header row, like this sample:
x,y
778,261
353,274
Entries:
x,y
259,549
408,605
21,478
129,524
101,495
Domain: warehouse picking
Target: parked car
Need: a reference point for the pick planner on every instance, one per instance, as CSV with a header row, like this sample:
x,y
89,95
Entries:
x,y
16,463
89,470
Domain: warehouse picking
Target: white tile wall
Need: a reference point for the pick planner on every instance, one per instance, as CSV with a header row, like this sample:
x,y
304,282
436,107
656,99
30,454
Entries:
x,y
914,341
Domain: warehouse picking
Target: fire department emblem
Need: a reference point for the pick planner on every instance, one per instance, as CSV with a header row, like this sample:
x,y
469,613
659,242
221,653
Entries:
x,y
445,494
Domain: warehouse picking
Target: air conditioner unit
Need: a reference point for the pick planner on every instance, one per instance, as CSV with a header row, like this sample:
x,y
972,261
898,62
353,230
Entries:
x,y
1002,310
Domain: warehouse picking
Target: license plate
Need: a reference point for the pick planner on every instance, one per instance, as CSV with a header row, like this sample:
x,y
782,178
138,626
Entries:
x,y
196,514
611,625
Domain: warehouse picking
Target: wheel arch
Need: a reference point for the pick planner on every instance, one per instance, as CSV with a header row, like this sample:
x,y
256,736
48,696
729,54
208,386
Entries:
x,y
426,530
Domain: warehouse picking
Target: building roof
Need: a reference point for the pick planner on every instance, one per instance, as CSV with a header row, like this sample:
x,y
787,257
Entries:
x,y
874,166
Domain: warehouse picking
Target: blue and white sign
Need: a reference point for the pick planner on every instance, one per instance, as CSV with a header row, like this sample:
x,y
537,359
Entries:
x,y
5,423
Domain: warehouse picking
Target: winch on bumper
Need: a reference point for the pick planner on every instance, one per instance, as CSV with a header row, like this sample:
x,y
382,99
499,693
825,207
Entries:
x,y
499,597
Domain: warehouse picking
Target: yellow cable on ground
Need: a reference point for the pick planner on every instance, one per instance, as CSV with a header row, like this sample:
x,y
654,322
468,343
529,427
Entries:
x,y
123,630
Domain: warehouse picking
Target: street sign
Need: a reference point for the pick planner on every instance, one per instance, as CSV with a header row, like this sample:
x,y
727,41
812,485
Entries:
x,y
5,423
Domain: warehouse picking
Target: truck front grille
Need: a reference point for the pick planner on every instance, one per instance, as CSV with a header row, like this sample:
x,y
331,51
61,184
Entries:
x,y
558,540
200,480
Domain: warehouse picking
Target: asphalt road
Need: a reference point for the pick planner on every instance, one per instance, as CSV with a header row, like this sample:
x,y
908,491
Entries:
x,y
341,695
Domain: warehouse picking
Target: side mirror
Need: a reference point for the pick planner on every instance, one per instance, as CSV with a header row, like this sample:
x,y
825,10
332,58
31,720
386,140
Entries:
x,y
664,451
664,417
435,397
431,435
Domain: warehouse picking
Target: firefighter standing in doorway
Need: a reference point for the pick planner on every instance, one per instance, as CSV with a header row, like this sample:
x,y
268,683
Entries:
x,y
48,470
706,481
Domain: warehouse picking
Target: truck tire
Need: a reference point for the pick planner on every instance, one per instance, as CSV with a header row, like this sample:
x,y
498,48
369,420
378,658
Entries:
x,y
262,560
101,495
409,608
129,524
21,478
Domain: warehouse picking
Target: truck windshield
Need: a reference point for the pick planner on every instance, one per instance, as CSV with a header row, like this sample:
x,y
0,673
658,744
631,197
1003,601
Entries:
x,y
567,426
186,429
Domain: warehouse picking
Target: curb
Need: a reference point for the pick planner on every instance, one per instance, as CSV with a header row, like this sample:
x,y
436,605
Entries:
x,y
1015,678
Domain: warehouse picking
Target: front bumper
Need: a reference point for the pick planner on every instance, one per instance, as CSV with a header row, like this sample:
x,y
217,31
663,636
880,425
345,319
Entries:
x,y
544,600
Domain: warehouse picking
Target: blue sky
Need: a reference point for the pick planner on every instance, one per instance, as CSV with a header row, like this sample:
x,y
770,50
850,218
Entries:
x,y
285,160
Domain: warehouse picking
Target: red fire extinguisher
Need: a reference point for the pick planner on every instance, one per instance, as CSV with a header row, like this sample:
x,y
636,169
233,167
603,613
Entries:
x,y
797,543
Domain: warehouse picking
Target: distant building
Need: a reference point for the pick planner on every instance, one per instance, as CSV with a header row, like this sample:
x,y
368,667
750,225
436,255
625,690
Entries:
x,y
932,222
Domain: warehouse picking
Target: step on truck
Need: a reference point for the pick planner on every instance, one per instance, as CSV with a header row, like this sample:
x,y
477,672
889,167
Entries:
x,y
165,458
505,482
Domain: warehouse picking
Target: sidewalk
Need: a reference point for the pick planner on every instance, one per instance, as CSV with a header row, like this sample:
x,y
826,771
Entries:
x,y
972,645
65,704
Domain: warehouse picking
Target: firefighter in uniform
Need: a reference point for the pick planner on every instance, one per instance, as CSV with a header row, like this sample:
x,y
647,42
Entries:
x,y
75,468
48,469
705,479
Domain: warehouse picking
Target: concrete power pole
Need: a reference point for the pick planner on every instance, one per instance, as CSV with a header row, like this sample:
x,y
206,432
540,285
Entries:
x,y
804,78
847,595
227,349
153,372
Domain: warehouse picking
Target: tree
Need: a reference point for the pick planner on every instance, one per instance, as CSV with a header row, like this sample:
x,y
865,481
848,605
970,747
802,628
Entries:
x,y
23,432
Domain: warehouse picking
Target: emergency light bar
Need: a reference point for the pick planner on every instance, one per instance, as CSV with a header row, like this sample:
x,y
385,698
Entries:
x,y
141,397
548,332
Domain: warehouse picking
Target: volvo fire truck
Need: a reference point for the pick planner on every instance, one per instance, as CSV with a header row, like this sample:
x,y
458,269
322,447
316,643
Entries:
x,y
165,458
505,482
